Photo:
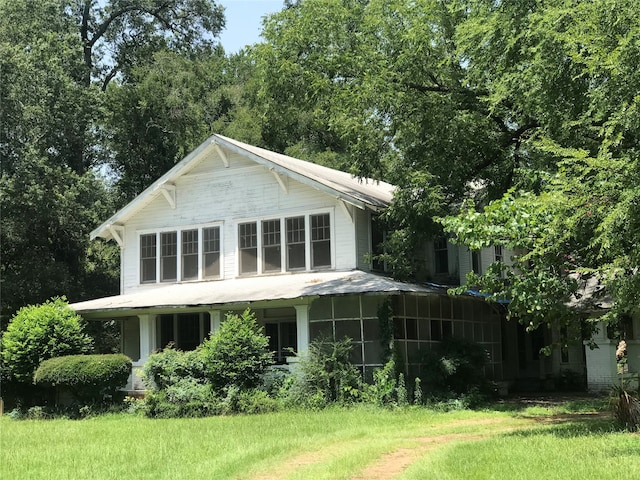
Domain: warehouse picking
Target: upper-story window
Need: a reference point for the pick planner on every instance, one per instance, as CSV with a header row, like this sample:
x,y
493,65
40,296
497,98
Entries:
x,y
271,248
248,247
441,255
285,244
296,244
211,252
148,258
190,254
168,256
475,262
181,256
320,241
499,253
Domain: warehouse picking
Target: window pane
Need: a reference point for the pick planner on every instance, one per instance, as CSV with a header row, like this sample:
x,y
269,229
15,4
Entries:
x,y
211,252
271,257
148,258
168,256
441,255
190,255
248,239
295,243
320,241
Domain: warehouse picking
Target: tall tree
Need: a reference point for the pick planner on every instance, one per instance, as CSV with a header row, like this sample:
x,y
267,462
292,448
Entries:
x,y
476,99
574,67
56,59
383,83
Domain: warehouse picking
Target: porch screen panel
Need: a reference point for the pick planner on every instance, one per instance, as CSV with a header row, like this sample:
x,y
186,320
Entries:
x,y
211,252
190,255
295,244
320,241
168,256
248,239
148,252
271,256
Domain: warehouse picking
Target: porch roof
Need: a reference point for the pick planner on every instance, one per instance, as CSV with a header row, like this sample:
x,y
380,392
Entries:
x,y
250,289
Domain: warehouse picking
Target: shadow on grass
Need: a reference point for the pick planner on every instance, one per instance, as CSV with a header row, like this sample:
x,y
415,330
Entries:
x,y
550,404
570,426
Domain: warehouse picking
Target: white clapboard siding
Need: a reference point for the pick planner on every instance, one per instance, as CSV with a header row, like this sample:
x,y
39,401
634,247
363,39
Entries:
x,y
211,193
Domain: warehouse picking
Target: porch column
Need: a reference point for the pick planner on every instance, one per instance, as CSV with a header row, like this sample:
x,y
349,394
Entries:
x,y
302,327
214,318
147,336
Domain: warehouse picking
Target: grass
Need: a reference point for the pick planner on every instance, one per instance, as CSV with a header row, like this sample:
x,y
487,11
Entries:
x,y
336,443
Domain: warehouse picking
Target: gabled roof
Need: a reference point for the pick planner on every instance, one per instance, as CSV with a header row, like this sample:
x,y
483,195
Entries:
x,y
251,289
360,192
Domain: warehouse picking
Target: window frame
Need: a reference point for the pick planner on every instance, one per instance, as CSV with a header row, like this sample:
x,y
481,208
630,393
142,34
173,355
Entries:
x,y
158,233
141,259
283,217
440,253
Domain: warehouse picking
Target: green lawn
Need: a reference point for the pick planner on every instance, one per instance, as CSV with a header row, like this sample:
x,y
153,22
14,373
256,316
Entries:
x,y
332,444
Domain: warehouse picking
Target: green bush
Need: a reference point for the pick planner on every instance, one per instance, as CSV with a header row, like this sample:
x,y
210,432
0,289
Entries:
x,y
169,366
325,375
185,397
37,333
455,367
237,354
89,378
383,389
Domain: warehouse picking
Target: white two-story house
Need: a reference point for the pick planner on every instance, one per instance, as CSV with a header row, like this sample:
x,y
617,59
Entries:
x,y
234,226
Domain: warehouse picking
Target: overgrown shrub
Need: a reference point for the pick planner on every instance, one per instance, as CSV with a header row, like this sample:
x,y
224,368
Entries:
x,y
325,375
177,385
170,366
237,354
39,332
626,409
219,377
454,367
185,397
89,378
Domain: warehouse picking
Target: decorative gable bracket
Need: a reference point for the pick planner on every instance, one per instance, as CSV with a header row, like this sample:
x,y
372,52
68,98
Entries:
x,y
280,180
348,209
220,152
169,192
117,232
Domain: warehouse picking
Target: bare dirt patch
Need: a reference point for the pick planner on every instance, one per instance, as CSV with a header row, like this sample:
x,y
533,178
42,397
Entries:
x,y
393,463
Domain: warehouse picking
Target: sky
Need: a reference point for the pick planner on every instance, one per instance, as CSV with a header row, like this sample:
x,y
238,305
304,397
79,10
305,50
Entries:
x,y
244,21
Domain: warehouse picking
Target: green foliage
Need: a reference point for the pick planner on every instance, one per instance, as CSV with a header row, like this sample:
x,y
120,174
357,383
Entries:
x,y
185,397
40,332
167,367
226,374
477,99
401,391
383,389
90,378
57,58
237,354
455,367
418,397
325,375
